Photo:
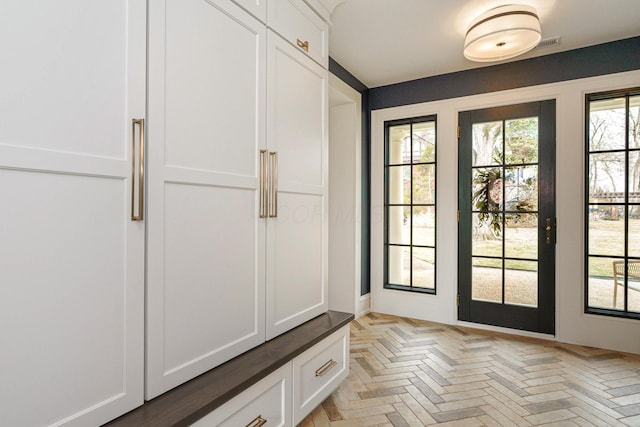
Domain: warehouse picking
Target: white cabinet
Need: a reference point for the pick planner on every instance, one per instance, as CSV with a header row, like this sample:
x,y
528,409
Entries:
x,y
205,244
71,259
208,252
77,79
318,371
289,394
297,238
295,22
267,402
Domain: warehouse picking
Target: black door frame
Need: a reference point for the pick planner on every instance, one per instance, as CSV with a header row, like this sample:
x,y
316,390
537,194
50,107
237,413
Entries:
x,y
542,318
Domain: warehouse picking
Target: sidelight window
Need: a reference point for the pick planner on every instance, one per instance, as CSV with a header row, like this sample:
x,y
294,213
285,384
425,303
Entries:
x,y
410,204
612,214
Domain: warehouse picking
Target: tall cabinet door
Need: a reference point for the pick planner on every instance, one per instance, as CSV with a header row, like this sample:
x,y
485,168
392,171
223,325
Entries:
x,y
205,271
297,236
71,258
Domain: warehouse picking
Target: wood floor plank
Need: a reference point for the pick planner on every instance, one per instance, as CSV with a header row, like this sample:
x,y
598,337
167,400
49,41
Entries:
x,y
408,372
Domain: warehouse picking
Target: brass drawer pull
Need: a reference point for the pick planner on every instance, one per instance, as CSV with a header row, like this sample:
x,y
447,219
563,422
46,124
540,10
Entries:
x,y
304,45
257,422
325,368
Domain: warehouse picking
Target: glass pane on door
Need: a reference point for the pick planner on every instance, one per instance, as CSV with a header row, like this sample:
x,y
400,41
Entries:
x,y
487,144
521,282
504,202
486,278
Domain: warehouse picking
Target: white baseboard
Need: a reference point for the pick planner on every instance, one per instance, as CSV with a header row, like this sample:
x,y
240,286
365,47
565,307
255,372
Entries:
x,y
364,305
506,330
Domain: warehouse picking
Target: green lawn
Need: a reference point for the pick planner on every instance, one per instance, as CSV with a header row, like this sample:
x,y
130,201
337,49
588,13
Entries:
x,y
606,238
521,242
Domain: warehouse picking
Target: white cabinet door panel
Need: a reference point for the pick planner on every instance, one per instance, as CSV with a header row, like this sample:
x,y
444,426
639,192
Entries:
x,y
49,89
296,281
64,316
205,274
212,81
297,116
211,291
297,238
71,259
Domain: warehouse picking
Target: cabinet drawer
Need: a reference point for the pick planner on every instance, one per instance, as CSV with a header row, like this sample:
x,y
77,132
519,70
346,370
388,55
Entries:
x,y
318,371
297,23
267,403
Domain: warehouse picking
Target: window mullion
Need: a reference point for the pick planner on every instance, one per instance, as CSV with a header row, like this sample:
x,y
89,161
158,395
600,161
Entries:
x,y
411,210
626,205
503,206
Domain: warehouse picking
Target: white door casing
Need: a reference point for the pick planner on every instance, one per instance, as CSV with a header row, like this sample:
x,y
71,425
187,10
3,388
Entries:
x,y
345,171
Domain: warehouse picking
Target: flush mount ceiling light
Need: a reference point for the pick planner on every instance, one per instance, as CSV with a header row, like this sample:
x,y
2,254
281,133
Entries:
x,y
502,33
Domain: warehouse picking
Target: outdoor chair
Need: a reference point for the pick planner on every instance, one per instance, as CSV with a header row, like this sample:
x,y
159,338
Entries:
x,y
618,270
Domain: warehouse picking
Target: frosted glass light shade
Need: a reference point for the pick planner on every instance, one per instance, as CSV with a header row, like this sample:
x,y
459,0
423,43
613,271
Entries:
x,y
502,33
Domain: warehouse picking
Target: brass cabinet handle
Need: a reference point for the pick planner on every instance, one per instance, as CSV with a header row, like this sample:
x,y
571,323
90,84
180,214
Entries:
x,y
257,422
273,185
304,45
140,215
268,184
264,189
325,368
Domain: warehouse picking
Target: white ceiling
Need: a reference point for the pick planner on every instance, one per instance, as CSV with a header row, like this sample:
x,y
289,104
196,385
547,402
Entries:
x,y
389,41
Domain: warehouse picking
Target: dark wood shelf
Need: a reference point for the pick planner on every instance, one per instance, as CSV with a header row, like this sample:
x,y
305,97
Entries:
x,y
196,398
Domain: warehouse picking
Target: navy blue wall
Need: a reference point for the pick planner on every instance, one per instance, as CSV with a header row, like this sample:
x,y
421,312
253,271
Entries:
x,y
607,58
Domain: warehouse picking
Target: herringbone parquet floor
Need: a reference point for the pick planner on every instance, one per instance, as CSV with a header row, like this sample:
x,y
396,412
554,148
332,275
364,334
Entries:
x,y
408,372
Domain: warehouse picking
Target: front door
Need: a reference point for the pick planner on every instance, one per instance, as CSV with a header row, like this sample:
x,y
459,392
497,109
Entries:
x,y
506,228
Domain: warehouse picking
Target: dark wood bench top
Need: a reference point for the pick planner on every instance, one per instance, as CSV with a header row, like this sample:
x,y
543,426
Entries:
x,y
196,398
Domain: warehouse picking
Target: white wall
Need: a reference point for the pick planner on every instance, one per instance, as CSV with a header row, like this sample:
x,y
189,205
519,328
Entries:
x,y
572,324
345,129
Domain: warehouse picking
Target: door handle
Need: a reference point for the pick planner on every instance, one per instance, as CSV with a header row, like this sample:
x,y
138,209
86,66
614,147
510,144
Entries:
x,y
140,168
548,230
304,45
264,188
325,368
268,187
257,422
273,184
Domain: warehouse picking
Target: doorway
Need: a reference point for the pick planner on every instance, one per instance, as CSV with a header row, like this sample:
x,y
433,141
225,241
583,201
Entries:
x,y
506,224
345,195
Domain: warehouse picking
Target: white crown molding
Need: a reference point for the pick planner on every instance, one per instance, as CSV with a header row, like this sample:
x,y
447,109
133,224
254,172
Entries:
x,y
332,4
324,8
